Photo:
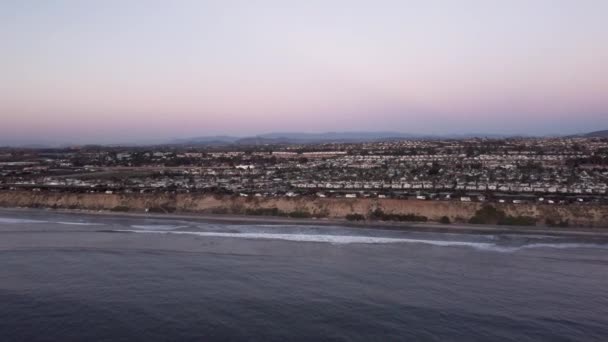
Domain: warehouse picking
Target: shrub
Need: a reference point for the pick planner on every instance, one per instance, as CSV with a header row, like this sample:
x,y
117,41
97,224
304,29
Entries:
x,y
445,220
169,209
263,212
219,211
553,223
490,215
487,215
355,217
518,221
163,209
377,214
299,214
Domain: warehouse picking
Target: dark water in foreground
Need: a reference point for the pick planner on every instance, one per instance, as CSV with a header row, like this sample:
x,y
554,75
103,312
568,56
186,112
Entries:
x,y
85,278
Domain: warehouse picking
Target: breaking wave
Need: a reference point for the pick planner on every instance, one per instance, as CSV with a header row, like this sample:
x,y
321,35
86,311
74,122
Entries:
x,y
16,220
155,227
349,239
80,223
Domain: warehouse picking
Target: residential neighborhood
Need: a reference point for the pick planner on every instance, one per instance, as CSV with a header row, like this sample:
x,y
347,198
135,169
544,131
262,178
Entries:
x,y
515,170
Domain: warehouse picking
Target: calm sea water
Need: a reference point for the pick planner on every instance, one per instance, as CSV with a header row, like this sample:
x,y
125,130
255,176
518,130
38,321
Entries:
x,y
91,278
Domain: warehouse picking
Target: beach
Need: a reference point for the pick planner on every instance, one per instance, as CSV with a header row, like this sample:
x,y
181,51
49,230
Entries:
x,y
385,225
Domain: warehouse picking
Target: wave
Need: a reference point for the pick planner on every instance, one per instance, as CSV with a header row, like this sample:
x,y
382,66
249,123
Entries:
x,y
79,223
349,239
155,227
10,220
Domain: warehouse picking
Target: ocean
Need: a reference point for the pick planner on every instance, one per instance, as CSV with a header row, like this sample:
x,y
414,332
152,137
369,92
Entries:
x,y
81,277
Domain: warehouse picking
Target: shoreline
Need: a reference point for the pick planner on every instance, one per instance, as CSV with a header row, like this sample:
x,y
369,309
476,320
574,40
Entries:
x,y
454,228
589,217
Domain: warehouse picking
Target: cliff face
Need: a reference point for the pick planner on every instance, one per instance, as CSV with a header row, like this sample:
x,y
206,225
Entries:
x,y
578,215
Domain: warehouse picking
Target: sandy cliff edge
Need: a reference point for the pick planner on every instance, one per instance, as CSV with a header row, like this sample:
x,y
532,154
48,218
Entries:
x,y
587,215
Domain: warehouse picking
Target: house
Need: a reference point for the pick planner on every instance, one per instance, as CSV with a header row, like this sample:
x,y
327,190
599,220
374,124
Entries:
x,y
245,167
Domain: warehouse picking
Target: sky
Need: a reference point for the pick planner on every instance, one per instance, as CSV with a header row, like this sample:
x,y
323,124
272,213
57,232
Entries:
x,y
117,71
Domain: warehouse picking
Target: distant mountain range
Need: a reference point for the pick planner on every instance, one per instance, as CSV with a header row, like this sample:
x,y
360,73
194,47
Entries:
x,y
286,138
295,138
344,137
210,140
316,138
597,134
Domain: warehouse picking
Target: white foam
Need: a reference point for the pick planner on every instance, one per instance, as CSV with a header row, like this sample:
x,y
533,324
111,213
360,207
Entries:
x,y
348,239
335,239
565,245
289,237
156,227
79,223
10,220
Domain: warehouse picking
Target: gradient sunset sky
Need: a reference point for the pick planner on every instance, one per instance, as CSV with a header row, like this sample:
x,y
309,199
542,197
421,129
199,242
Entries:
x,y
123,71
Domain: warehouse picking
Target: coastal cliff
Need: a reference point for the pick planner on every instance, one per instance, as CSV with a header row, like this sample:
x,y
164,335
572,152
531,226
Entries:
x,y
586,215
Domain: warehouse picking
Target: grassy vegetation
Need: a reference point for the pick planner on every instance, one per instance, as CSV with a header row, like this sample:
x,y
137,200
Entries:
x,y
299,213
490,215
445,220
380,215
487,215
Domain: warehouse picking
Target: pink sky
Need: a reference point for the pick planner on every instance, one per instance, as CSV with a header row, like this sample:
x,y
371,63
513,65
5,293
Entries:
x,y
115,71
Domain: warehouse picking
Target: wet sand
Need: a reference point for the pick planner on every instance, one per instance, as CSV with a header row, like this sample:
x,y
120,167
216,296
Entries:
x,y
384,225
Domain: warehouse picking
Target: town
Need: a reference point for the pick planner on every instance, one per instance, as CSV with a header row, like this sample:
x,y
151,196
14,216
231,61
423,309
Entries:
x,y
515,170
